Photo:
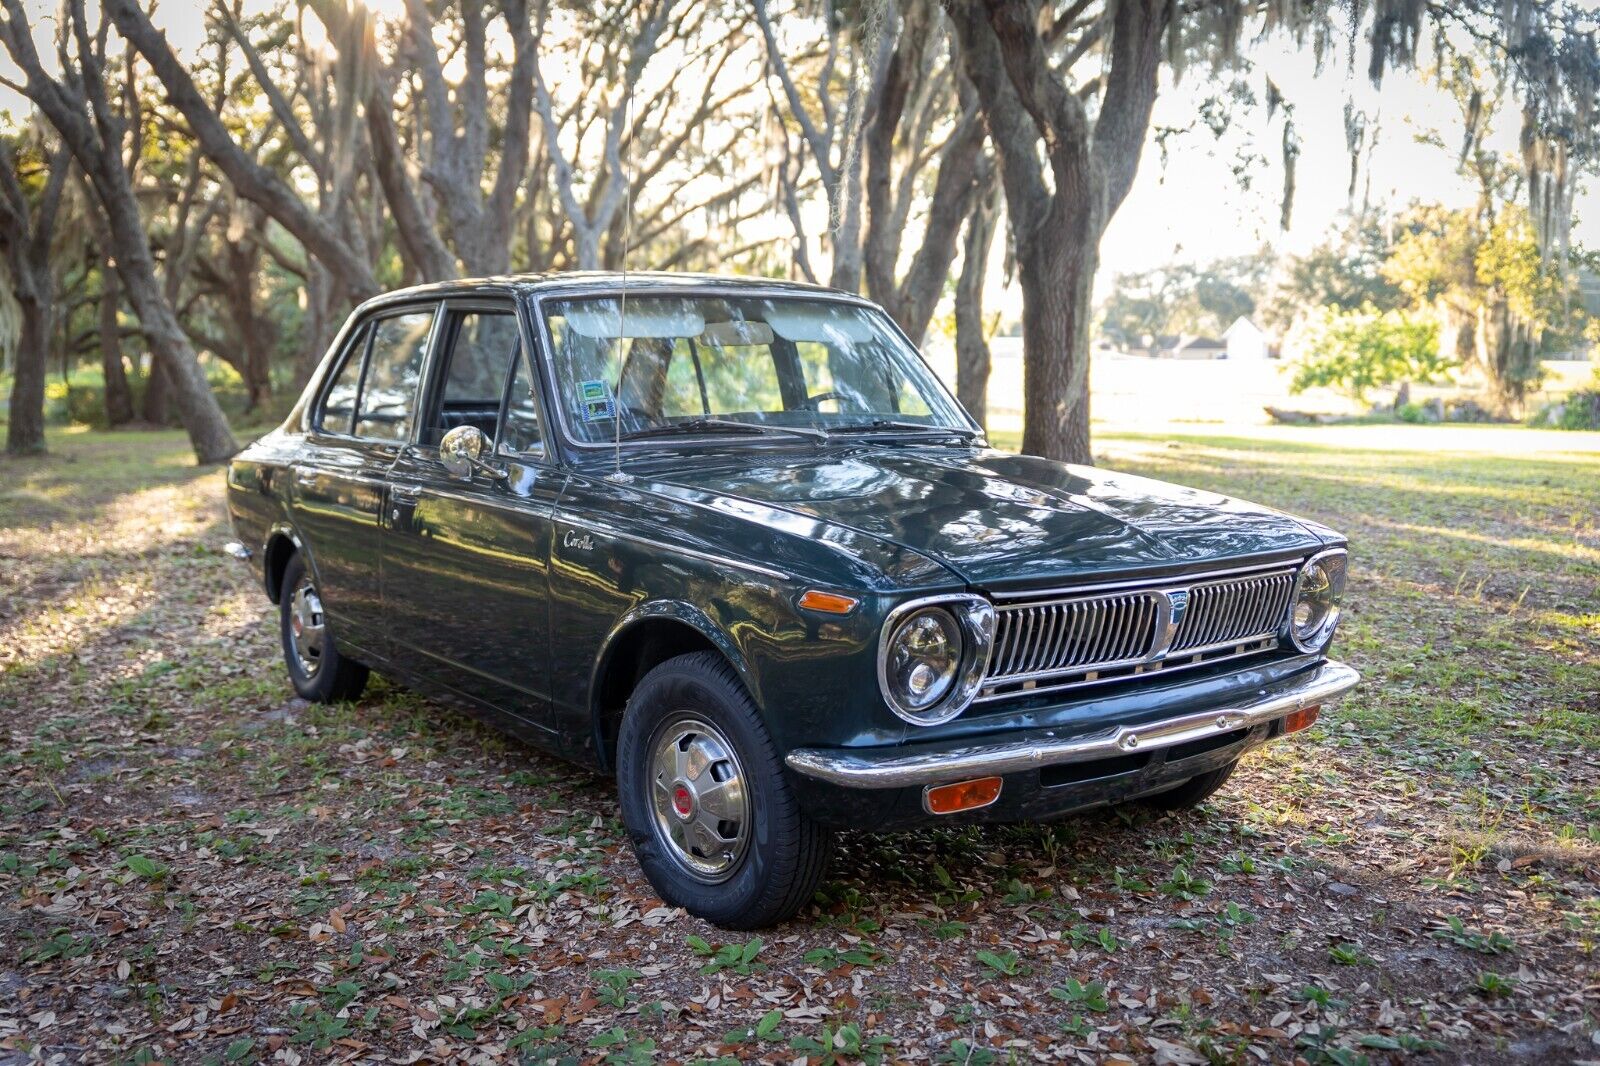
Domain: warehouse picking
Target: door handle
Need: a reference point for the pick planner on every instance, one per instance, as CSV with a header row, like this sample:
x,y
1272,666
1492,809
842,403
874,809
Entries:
x,y
405,493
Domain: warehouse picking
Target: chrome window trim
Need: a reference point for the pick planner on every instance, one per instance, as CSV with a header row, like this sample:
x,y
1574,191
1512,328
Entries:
x,y
976,622
1294,597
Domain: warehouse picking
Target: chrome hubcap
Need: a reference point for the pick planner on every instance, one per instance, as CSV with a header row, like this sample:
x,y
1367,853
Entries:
x,y
702,813
307,629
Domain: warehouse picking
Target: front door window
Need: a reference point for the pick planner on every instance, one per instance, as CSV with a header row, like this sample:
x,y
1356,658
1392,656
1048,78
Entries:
x,y
485,370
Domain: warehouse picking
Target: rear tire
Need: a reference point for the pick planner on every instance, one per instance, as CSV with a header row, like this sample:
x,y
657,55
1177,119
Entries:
x,y
1192,792
706,801
317,670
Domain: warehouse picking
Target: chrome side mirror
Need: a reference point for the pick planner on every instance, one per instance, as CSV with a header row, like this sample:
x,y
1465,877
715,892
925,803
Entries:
x,y
461,451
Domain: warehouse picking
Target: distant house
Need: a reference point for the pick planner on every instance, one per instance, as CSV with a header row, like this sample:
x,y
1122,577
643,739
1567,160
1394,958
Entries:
x,y
1183,346
1192,347
1246,340
1154,346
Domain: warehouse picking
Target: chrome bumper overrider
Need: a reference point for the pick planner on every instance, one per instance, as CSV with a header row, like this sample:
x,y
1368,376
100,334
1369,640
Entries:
x,y
895,768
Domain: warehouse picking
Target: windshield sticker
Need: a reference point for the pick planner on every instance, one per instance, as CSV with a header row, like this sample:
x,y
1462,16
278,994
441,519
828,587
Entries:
x,y
594,397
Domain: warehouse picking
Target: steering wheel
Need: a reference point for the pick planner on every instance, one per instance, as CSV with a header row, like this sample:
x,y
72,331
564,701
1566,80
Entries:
x,y
812,403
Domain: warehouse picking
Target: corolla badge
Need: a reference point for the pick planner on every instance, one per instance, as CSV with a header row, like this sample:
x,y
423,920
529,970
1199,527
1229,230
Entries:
x,y
578,541
1180,604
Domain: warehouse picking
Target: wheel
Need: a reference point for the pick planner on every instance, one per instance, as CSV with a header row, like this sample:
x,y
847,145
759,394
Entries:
x,y
704,796
316,669
1192,792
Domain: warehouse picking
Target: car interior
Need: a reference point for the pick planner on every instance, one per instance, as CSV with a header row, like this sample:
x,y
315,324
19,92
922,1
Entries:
x,y
482,347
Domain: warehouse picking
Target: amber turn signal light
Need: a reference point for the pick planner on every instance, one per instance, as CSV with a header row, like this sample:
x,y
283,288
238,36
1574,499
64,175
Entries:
x,y
827,602
961,796
1302,719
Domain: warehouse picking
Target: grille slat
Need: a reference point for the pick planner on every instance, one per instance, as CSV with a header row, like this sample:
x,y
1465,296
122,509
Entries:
x,y
1077,635
1237,611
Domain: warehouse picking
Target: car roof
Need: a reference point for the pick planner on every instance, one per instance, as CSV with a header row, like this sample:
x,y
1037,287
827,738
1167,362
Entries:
x,y
576,282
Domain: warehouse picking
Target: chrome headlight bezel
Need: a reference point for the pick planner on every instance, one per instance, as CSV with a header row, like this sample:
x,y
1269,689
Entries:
x,y
1313,639
975,622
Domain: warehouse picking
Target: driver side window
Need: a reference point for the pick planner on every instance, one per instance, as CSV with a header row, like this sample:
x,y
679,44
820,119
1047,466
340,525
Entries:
x,y
484,369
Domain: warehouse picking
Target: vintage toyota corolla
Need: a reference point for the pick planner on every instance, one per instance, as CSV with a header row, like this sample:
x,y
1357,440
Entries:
x,y
733,542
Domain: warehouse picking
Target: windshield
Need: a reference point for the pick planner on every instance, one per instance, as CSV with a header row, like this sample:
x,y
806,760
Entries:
x,y
694,364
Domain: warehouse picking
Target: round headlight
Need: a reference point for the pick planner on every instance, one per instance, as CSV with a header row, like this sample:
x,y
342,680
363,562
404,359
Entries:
x,y
1316,601
921,662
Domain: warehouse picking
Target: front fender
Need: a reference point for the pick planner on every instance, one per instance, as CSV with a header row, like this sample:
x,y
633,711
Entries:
x,y
677,611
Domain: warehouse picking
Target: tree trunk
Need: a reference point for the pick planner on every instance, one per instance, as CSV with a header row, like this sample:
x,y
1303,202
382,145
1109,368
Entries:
x,y
972,343
25,236
420,244
255,333
153,408
182,381
963,175
25,430
318,326
118,393
1057,282
1056,225
845,236
81,114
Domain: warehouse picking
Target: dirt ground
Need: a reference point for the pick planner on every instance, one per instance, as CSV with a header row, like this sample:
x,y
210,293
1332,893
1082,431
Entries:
x,y
195,867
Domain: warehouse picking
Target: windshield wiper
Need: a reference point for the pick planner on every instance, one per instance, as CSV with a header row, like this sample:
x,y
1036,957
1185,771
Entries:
x,y
880,424
720,425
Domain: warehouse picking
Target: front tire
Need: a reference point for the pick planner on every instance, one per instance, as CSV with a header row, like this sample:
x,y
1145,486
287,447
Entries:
x,y
713,821
317,670
1194,791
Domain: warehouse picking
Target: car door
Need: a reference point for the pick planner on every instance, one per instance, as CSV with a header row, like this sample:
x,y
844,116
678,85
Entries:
x,y
337,490
465,577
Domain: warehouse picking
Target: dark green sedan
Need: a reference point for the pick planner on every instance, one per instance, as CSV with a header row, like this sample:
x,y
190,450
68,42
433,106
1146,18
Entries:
x,y
732,541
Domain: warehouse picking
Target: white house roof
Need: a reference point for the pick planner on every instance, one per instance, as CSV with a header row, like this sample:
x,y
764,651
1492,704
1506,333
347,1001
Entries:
x,y
1242,326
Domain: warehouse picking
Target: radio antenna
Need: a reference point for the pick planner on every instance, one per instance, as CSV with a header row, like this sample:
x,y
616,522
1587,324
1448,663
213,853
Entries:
x,y
627,242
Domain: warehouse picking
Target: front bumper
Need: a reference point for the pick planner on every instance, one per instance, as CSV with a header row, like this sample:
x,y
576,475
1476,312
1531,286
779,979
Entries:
x,y
1136,759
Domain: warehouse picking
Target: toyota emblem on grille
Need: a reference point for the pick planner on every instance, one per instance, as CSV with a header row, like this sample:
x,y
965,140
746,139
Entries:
x,y
1179,598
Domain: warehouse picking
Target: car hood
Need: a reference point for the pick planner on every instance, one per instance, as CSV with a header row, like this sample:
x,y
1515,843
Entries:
x,y
999,520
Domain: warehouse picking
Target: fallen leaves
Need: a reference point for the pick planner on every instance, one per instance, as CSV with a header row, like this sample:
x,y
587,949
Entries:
x,y
194,866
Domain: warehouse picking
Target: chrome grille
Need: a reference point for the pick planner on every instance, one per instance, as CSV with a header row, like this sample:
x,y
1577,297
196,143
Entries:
x,y
1232,610
1088,637
1079,634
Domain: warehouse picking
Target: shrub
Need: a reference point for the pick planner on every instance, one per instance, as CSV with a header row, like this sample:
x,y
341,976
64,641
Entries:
x,y
1357,351
1580,410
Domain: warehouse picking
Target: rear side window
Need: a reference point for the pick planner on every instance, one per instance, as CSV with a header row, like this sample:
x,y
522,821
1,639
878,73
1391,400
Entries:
x,y
394,367
339,409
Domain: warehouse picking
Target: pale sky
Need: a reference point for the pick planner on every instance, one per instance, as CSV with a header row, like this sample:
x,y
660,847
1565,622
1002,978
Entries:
x,y
1192,209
